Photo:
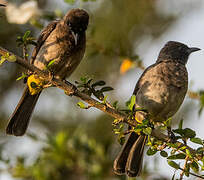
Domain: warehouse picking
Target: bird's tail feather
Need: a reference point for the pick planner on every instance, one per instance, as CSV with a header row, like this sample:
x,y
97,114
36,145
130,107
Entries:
x,y
19,120
129,159
135,158
121,159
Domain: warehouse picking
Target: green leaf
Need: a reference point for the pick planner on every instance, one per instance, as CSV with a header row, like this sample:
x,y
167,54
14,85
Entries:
x,y
178,131
182,148
2,61
115,104
81,105
11,58
181,124
197,140
168,122
132,102
163,153
107,88
189,133
84,79
173,164
99,95
115,122
147,130
21,77
98,83
105,99
116,131
51,63
187,170
151,152
194,166
25,36
200,150
145,122
188,153
7,57
177,156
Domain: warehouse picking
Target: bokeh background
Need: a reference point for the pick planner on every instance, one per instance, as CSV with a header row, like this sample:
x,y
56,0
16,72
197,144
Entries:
x,y
65,142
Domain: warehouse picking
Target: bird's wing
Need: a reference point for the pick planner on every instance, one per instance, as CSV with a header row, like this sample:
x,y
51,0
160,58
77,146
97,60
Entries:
x,y
42,38
139,82
139,115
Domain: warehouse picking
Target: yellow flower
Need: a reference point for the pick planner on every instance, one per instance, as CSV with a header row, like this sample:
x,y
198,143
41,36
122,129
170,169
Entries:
x,y
126,65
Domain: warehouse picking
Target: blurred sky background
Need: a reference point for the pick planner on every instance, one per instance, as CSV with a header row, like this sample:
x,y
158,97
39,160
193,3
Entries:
x,y
187,28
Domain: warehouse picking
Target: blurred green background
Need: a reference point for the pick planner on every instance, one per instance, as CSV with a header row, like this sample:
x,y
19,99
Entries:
x,y
63,141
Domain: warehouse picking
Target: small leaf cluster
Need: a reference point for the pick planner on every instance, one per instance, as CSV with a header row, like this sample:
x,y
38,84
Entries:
x,y
144,127
23,76
93,88
192,160
7,57
26,39
119,128
119,131
129,107
50,64
131,103
181,153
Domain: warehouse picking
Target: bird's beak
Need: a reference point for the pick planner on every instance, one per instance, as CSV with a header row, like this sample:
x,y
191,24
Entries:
x,y
3,5
193,49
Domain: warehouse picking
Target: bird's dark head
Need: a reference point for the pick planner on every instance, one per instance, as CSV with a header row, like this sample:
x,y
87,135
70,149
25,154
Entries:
x,y
77,20
176,51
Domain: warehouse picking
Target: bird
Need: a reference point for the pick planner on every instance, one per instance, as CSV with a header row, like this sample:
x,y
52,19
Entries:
x,y
160,90
63,41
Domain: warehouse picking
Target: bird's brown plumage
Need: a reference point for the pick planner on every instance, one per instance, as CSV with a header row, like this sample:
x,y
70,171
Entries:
x,y
64,42
160,90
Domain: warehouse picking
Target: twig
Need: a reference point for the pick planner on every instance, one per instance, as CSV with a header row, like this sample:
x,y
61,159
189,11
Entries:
x,y
193,174
72,90
184,168
25,52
